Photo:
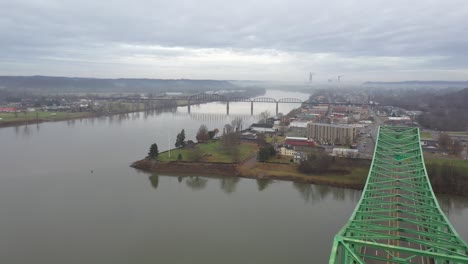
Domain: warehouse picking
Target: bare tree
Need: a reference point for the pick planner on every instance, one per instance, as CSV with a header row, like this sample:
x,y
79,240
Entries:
x,y
261,139
235,153
237,123
456,147
228,129
282,130
264,116
230,140
444,140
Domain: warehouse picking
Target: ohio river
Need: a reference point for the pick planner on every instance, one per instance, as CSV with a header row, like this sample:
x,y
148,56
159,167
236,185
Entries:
x,y
67,195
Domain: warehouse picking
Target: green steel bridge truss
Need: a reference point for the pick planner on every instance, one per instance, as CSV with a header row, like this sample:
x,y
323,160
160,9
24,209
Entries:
x,y
398,219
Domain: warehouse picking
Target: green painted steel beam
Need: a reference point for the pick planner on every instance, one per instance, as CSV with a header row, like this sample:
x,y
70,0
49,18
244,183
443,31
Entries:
x,y
398,217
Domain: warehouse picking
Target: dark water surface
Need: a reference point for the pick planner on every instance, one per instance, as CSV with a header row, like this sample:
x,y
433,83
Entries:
x,y
67,195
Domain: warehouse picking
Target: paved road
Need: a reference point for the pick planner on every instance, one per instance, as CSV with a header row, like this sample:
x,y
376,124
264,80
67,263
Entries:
x,y
396,207
398,203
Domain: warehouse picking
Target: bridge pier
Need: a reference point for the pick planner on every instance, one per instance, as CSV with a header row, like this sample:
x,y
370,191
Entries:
x,y
188,106
276,108
227,107
251,108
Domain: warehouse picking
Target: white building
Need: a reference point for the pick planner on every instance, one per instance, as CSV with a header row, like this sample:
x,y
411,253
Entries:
x,y
263,128
298,124
342,152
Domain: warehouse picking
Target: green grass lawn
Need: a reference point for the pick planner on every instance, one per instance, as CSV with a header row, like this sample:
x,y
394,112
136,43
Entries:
x,y
210,152
426,134
48,116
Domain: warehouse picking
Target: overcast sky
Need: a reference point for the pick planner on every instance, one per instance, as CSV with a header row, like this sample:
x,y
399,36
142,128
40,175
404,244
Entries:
x,y
378,40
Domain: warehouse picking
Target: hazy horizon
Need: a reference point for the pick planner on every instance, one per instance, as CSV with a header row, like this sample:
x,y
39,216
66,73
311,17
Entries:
x,y
366,40
239,80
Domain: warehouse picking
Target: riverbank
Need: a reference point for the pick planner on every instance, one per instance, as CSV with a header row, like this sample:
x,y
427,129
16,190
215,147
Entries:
x,y
10,119
355,178
264,171
110,109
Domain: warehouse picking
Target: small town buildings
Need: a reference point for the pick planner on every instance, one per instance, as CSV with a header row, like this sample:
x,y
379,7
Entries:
x,y
7,109
286,151
247,136
301,124
263,128
299,156
343,152
299,141
398,120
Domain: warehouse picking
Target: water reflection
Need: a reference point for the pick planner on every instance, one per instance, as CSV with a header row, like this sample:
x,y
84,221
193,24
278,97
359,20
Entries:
x,y
25,130
71,123
119,119
228,184
314,193
196,183
451,204
262,184
305,190
309,192
154,179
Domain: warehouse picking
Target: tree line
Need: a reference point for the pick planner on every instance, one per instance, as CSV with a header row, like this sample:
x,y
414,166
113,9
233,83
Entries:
x,y
453,146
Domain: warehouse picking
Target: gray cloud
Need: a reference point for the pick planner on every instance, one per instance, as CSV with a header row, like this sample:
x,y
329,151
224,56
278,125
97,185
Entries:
x,y
284,39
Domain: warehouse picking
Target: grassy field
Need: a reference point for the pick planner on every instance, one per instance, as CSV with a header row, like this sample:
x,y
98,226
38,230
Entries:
x,y
425,134
210,152
44,116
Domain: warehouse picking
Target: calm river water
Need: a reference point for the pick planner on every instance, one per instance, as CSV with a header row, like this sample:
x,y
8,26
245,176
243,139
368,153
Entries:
x,y
68,195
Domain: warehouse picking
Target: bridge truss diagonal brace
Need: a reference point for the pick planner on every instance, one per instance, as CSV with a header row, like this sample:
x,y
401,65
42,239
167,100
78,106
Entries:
x,y
398,205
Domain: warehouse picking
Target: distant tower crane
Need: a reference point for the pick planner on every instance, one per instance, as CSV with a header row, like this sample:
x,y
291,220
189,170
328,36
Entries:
x,y
339,77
